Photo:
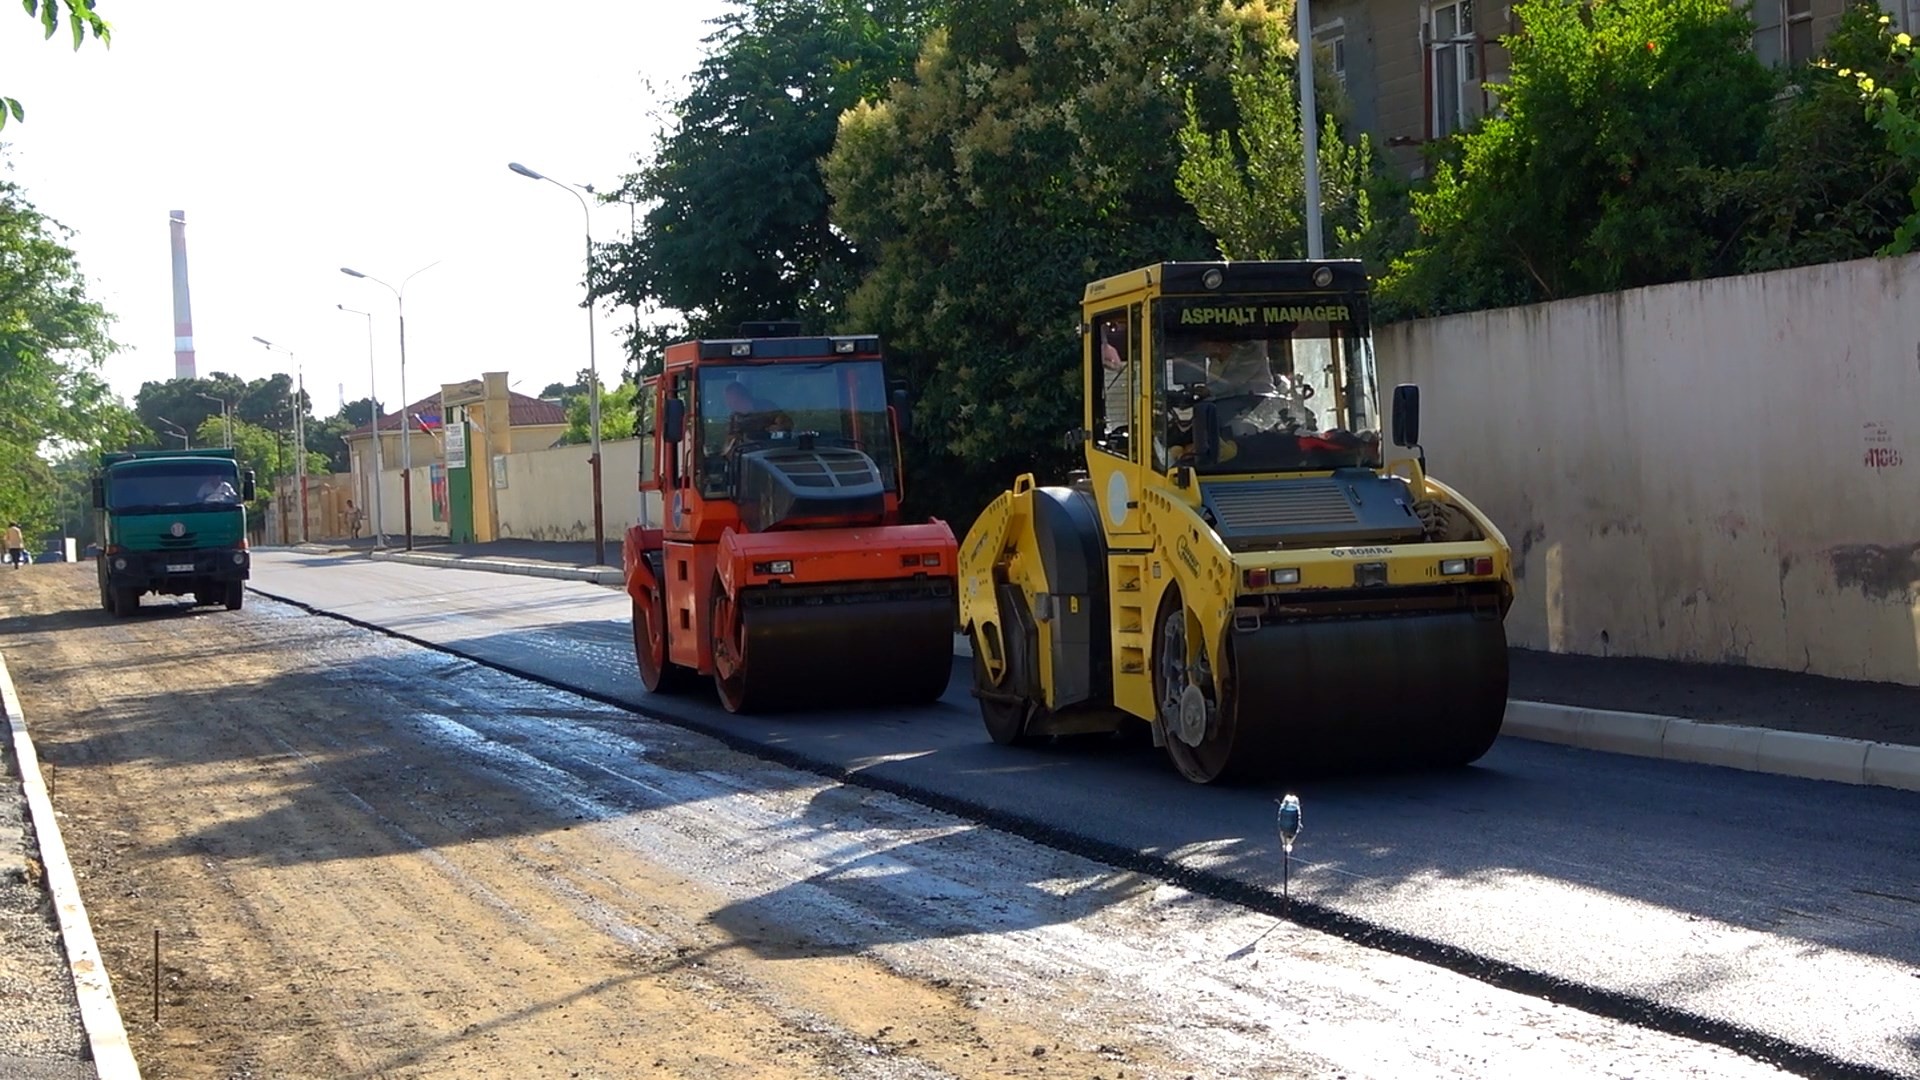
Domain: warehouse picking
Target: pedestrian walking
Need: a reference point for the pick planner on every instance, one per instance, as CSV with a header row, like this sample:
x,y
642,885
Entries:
x,y
16,546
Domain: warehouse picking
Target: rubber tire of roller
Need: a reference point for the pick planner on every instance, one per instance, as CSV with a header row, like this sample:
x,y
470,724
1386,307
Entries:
x,y
669,678
1005,723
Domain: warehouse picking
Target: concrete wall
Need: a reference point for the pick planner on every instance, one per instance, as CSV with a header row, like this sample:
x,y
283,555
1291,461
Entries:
x,y
549,493
1720,471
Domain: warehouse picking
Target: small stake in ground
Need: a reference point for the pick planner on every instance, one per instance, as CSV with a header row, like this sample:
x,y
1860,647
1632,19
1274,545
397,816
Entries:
x,y
156,974
1289,828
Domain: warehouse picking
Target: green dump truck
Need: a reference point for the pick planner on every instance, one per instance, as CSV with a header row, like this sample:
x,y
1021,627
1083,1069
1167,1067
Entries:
x,y
172,522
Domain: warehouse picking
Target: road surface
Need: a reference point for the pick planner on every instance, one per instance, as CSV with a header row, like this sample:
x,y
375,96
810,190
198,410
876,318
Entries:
x,y
369,858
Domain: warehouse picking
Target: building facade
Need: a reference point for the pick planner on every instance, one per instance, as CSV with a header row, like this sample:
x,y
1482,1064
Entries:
x,y
1416,71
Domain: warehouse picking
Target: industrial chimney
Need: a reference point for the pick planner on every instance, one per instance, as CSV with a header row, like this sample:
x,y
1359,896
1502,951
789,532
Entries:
x,y
182,305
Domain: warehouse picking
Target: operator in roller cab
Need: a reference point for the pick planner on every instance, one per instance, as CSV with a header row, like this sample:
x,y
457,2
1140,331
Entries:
x,y
1241,398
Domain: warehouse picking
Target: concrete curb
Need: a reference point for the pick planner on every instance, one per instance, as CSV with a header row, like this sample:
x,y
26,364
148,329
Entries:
x,y
1734,746
598,575
99,1012
1670,738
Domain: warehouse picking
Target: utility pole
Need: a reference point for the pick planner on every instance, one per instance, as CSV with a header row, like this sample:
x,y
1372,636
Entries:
x,y
1309,130
593,367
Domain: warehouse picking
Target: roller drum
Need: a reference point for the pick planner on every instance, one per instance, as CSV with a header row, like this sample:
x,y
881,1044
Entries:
x,y
1415,690
847,645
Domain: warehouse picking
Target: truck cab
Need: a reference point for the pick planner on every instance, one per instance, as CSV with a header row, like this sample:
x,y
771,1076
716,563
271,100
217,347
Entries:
x,y
171,522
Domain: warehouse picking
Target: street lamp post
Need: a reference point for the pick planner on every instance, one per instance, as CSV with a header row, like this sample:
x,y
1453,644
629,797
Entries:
x,y
186,442
373,411
633,238
593,367
299,429
226,417
406,433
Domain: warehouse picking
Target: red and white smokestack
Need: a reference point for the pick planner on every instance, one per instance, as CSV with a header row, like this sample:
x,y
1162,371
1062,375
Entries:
x,y
182,306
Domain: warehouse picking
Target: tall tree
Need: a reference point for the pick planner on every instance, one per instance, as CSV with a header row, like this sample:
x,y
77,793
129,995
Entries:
x,y
80,19
52,341
183,404
1037,147
737,225
1249,185
1597,176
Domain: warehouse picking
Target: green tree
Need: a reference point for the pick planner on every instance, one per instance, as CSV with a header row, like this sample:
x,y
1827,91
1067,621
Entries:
x,y
80,19
1600,174
736,225
1893,104
1249,186
52,340
1826,185
329,437
267,403
1036,148
617,415
269,453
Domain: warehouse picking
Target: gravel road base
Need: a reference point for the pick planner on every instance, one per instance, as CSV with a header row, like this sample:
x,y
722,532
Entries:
x,y
40,1031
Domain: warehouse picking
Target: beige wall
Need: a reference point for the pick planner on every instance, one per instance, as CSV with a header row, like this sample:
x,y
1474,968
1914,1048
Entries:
x,y
549,493
1720,471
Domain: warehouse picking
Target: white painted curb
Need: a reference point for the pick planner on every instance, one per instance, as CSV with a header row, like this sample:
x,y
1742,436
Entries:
x,y
1735,746
106,1036
1671,738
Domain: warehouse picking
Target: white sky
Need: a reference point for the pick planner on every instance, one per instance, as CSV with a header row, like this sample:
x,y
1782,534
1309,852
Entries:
x,y
303,137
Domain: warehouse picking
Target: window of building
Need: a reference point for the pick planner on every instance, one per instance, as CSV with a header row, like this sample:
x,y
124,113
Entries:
x,y
1453,66
1799,36
1783,31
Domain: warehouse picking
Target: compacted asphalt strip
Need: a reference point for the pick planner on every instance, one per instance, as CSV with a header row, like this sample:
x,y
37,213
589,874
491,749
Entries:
x,y
1890,760
1772,914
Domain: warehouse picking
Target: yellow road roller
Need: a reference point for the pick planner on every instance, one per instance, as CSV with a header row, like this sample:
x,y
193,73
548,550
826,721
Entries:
x,y
1239,565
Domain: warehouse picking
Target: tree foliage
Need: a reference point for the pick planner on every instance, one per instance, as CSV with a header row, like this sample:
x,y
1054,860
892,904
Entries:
x,y
737,226
52,340
1249,186
617,415
268,452
1035,148
80,19
1892,97
183,404
1825,185
1600,174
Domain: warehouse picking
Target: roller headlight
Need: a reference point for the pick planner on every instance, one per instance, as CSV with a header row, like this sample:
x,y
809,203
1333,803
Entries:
x,y
120,563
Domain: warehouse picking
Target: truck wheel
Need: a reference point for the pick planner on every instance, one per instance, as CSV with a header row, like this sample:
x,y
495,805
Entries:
x,y
125,600
236,595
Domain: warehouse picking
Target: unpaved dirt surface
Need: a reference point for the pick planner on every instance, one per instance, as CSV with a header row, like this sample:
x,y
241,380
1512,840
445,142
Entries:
x,y
366,858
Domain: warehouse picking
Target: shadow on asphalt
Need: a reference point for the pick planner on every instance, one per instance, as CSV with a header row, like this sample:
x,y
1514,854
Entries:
x,y
487,755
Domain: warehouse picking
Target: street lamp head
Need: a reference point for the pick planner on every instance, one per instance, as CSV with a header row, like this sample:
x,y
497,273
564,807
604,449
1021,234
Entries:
x,y
350,272
263,341
524,171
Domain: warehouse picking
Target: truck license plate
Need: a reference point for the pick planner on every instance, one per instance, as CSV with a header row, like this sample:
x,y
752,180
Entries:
x,y
180,568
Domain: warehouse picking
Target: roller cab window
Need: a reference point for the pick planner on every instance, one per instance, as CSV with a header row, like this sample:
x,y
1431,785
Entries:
x,y
748,407
1113,389
1264,384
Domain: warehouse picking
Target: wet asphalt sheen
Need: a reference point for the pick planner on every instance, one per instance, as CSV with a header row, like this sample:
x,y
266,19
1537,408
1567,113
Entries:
x,y
1774,914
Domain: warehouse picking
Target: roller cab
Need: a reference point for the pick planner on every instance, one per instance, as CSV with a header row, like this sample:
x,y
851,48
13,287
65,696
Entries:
x,y
1243,568
783,571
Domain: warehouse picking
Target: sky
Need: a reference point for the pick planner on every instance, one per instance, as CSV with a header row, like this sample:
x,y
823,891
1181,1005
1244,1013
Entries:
x,y
303,137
